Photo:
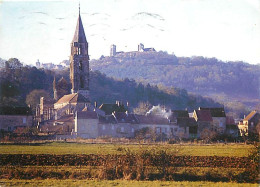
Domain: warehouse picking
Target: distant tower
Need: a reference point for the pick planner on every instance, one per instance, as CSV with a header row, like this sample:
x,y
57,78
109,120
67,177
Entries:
x,y
38,64
79,61
55,97
141,47
112,50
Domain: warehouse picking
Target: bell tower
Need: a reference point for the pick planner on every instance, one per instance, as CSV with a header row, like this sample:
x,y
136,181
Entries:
x,y
79,61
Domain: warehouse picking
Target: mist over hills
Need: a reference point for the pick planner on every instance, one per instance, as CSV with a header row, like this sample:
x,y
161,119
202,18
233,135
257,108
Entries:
x,y
224,81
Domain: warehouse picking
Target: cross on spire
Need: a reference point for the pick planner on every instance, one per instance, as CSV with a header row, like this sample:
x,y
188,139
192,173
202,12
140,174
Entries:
x,y
79,7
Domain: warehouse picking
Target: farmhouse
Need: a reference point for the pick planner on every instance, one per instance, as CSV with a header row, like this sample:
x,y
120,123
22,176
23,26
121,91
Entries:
x,y
248,126
12,118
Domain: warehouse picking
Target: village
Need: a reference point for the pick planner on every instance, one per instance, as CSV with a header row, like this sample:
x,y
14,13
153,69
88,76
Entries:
x,y
70,116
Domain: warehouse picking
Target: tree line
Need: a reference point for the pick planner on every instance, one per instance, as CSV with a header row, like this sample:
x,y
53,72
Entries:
x,y
24,85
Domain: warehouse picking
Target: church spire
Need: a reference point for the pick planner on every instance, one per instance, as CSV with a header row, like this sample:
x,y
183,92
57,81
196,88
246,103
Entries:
x,y
79,35
79,61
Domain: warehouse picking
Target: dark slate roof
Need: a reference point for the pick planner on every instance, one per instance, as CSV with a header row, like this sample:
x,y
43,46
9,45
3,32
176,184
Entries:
x,y
152,119
73,98
179,114
186,122
204,115
107,119
13,110
87,115
250,116
215,112
110,108
79,35
123,117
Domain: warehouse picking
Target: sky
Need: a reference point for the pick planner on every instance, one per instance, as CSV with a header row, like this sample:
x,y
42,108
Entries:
x,y
228,30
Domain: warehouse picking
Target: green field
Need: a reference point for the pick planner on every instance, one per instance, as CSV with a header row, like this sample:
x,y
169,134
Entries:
x,y
237,150
107,183
117,172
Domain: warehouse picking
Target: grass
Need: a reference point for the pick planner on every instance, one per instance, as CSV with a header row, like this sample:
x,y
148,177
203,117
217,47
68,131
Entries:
x,y
107,183
60,148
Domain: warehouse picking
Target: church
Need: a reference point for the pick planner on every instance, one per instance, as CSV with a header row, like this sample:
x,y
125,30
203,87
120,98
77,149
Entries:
x,y
79,77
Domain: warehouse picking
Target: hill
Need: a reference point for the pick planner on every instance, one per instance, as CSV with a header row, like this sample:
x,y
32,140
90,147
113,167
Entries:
x,y
17,81
224,81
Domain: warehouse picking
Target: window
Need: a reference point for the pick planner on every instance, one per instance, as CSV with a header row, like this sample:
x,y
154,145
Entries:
x,y
122,129
158,130
80,65
113,127
81,82
24,120
133,130
104,127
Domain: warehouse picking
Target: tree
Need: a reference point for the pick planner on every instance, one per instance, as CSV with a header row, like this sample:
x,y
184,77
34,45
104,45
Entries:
x,y
208,134
33,98
13,63
143,108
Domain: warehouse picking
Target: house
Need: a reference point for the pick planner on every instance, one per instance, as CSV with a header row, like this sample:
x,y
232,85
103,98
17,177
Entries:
x,y
203,119
231,127
218,117
12,118
86,124
249,123
158,125
92,124
186,125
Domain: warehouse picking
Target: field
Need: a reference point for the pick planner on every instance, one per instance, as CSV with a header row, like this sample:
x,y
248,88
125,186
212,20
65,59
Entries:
x,y
235,150
84,164
126,183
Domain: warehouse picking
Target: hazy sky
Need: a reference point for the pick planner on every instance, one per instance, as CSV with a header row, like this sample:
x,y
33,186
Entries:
x,y
226,29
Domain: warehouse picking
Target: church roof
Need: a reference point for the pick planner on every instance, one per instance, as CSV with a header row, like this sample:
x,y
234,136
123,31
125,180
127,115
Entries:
x,y
73,98
79,35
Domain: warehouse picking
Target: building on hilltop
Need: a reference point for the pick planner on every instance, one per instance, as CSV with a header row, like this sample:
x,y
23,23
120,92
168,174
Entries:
x,y
112,50
141,48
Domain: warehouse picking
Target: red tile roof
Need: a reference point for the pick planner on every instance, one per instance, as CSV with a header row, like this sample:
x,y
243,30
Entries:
x,y
204,115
